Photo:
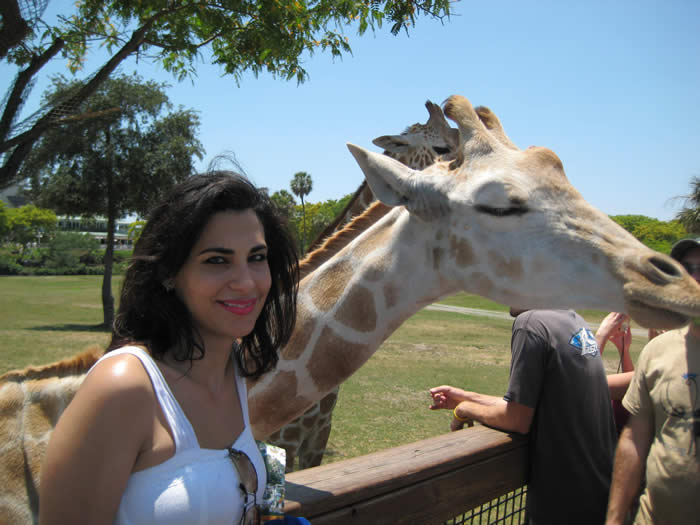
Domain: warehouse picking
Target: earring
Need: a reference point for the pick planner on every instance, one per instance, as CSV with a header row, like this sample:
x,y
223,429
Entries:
x,y
169,285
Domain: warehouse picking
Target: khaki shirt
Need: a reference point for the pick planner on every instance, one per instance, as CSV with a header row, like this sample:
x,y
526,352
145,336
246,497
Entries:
x,y
666,390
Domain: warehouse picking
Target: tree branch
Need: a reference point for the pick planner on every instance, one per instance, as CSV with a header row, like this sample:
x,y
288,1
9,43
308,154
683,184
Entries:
x,y
14,101
14,27
26,140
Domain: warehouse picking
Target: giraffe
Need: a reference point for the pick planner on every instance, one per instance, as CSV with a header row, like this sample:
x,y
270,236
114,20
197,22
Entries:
x,y
497,221
418,146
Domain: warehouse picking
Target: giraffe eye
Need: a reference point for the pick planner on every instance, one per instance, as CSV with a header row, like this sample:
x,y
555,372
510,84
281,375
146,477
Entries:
x,y
441,150
516,209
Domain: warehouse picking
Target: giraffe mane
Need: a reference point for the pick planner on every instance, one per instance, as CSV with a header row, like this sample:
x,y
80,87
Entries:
x,y
342,238
71,366
328,230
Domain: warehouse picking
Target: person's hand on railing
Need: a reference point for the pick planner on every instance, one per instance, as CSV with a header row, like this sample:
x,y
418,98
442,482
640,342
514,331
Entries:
x,y
448,397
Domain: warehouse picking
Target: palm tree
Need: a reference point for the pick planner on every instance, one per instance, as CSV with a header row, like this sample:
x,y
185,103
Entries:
x,y
689,216
301,185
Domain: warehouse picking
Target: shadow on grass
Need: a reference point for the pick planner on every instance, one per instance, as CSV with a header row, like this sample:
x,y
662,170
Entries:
x,y
71,328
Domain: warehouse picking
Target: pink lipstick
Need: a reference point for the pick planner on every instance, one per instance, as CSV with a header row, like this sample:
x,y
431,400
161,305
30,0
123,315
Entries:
x,y
239,306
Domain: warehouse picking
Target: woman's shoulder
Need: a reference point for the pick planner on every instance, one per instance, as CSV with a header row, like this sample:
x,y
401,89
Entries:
x,y
120,380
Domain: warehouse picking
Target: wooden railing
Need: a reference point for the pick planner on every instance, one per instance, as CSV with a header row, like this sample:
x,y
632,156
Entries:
x,y
427,482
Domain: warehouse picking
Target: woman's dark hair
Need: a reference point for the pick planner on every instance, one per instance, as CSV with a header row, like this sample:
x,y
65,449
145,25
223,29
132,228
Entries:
x,y
153,316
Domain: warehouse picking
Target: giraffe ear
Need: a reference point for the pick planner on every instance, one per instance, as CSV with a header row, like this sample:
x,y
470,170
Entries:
x,y
394,184
393,143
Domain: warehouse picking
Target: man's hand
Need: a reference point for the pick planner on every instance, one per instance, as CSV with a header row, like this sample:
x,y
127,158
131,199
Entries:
x,y
446,397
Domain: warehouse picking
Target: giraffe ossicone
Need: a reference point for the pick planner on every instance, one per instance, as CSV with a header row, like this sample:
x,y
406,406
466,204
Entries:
x,y
496,221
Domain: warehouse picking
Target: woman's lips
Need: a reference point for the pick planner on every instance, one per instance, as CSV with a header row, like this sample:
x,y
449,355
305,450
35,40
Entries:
x,y
239,306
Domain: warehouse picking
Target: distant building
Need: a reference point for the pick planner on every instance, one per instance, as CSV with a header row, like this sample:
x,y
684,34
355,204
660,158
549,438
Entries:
x,y
12,197
97,227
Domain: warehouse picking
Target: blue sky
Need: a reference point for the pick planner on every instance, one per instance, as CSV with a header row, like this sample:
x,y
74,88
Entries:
x,y
611,87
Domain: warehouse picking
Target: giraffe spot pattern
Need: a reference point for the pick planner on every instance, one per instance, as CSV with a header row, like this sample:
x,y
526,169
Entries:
x,y
509,268
481,284
291,433
281,388
301,334
327,367
438,254
357,310
391,295
461,251
326,292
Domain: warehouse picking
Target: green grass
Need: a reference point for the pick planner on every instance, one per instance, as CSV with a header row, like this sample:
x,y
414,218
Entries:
x,y
44,319
384,404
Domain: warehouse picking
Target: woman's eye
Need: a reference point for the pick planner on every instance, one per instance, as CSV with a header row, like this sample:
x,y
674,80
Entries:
x,y
259,257
217,259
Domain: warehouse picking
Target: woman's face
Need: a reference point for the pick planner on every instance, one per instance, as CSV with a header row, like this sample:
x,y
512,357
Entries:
x,y
225,279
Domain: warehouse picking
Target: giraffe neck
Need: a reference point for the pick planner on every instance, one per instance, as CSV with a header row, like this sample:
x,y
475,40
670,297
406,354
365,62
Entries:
x,y
347,308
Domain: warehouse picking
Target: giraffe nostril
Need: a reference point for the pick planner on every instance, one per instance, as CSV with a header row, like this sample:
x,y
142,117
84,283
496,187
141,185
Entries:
x,y
667,266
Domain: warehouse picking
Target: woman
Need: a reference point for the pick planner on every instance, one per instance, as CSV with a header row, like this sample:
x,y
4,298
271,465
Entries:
x,y
159,431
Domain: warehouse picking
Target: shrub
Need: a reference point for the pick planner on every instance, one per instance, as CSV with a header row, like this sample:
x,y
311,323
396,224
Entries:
x,y
70,249
8,261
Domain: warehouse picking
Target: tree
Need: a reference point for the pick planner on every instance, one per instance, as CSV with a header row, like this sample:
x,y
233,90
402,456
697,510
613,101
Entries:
x,y
301,186
689,216
116,164
657,235
135,230
4,221
29,224
284,202
239,35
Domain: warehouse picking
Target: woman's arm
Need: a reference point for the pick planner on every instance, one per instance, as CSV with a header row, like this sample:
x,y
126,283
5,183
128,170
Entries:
x,y
95,444
618,383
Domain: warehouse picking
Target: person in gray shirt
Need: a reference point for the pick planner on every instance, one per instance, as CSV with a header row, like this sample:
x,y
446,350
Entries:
x,y
558,395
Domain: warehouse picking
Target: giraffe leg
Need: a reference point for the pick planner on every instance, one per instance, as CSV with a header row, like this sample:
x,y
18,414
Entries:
x,y
311,452
313,447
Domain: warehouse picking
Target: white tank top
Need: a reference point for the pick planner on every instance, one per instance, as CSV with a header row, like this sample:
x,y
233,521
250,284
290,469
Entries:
x,y
196,485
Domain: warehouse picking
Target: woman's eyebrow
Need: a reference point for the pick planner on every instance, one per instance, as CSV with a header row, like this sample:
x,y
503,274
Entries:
x,y
217,249
229,251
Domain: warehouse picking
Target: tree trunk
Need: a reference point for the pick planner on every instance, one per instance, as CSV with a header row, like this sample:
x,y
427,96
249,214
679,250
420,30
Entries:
x,y
303,234
107,297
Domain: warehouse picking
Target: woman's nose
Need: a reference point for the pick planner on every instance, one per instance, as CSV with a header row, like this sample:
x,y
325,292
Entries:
x,y
241,278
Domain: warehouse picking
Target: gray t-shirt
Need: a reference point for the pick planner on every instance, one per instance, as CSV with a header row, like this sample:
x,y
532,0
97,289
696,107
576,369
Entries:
x,y
557,369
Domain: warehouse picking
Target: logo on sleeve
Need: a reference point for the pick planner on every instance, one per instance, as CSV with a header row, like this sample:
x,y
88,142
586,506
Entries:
x,y
584,340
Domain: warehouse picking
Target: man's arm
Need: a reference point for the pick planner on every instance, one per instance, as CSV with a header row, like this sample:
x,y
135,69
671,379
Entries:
x,y
490,410
496,412
630,459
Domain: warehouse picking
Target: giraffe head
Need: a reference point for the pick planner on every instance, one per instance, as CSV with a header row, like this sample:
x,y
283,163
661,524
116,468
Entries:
x,y
506,224
421,145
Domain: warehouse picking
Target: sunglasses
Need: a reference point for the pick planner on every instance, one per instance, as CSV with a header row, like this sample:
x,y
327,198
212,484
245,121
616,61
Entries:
x,y
691,268
248,477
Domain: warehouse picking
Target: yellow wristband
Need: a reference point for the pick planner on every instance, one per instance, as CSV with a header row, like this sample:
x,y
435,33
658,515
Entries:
x,y
462,419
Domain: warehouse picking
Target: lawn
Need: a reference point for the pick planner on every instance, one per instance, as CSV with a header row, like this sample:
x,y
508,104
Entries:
x,y
384,404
